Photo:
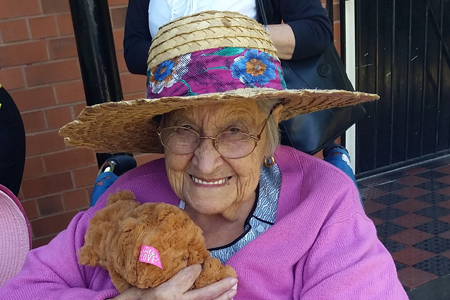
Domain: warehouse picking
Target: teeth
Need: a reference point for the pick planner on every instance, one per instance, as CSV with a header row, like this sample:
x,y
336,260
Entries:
x,y
221,181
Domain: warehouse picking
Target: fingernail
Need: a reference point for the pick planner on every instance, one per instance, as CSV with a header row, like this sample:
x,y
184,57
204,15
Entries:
x,y
234,287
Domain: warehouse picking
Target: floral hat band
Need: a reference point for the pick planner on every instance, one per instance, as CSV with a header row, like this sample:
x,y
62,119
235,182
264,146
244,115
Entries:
x,y
214,71
205,58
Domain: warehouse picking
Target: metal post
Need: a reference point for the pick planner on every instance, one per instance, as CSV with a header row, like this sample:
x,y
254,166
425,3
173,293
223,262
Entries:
x,y
96,53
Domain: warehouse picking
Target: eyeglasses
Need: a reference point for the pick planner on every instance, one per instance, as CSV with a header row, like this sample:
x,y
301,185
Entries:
x,y
229,144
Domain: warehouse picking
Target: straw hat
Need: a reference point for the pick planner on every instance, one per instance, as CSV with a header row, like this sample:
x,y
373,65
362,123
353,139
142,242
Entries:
x,y
208,57
15,235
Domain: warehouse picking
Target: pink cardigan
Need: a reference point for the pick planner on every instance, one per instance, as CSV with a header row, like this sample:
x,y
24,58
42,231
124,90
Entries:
x,y
322,245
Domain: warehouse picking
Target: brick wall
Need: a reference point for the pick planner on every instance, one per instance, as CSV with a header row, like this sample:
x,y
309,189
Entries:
x,y
39,68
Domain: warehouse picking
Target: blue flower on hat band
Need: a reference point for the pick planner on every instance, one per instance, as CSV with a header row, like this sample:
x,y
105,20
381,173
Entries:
x,y
167,73
253,68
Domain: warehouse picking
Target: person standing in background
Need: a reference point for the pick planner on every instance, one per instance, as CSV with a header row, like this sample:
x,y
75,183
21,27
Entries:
x,y
306,30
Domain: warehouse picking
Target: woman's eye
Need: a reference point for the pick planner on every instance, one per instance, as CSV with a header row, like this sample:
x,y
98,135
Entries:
x,y
235,130
187,126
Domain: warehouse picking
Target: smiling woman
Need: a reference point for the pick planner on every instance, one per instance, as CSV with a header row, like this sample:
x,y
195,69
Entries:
x,y
232,163
291,225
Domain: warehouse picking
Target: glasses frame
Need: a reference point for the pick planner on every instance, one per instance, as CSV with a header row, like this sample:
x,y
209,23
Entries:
x,y
256,138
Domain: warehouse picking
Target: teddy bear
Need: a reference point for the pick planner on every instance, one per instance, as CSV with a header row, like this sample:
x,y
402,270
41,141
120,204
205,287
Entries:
x,y
144,245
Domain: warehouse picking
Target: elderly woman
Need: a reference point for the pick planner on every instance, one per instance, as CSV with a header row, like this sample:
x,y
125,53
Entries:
x,y
290,225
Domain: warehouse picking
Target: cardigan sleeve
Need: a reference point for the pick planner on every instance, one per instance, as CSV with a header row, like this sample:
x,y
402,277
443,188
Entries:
x,y
347,261
137,39
309,22
52,271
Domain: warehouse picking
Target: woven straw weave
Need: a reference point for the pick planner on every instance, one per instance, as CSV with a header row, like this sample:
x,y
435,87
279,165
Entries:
x,y
208,30
127,126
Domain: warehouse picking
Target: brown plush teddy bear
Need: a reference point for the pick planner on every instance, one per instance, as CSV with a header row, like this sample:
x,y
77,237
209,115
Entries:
x,y
144,245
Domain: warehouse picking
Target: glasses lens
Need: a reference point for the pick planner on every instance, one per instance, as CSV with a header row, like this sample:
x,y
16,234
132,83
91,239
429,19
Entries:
x,y
235,144
179,140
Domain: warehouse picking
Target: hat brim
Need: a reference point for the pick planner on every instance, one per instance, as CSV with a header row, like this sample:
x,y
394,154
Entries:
x,y
127,126
16,235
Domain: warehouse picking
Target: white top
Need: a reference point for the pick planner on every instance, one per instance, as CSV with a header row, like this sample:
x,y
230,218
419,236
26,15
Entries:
x,y
161,12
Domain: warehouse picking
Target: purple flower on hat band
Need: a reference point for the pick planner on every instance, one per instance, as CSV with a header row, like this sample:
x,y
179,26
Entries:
x,y
253,67
167,73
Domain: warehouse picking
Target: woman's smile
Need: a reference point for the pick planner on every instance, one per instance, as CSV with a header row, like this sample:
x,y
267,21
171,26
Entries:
x,y
211,182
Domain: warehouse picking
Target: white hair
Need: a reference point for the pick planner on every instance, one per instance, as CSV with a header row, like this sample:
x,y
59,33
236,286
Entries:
x,y
273,133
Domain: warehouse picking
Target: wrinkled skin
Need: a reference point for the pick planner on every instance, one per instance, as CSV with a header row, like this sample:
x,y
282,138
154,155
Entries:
x,y
178,288
220,210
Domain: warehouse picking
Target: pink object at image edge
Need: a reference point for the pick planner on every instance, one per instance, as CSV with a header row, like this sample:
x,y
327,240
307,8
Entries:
x,y
150,255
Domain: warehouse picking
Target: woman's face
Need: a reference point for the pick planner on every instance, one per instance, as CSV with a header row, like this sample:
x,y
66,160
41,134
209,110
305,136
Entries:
x,y
207,182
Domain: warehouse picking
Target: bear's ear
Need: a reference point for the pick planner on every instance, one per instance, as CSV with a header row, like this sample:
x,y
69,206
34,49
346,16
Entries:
x,y
125,195
128,224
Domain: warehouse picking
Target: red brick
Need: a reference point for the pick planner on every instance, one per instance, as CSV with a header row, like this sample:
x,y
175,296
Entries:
x,y
145,158
117,2
336,12
50,205
34,121
35,98
122,66
68,160
118,35
135,95
78,108
64,47
46,185
57,117
65,25
43,27
33,167
77,199
337,30
23,53
52,72
30,208
118,17
45,142
51,225
85,177
11,9
133,83
90,190
55,6
12,78
14,30
42,241
70,92
337,44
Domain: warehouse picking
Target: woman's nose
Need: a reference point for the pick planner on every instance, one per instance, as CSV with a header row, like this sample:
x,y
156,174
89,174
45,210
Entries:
x,y
206,157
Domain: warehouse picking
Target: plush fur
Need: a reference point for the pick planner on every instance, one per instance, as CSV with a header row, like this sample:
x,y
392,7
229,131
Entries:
x,y
116,233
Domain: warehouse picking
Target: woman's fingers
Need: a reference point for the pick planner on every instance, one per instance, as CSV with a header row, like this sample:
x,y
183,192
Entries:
x,y
131,293
224,289
178,287
184,279
175,287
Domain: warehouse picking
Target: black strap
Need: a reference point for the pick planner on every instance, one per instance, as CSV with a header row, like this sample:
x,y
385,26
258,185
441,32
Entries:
x,y
263,12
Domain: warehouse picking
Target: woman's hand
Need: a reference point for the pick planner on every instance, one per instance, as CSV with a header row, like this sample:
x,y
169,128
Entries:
x,y
178,288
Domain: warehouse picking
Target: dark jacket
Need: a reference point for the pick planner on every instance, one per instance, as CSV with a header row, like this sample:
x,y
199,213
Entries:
x,y
12,143
307,18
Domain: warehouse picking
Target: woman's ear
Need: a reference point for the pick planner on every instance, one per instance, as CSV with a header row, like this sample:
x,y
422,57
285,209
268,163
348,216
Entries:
x,y
276,113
